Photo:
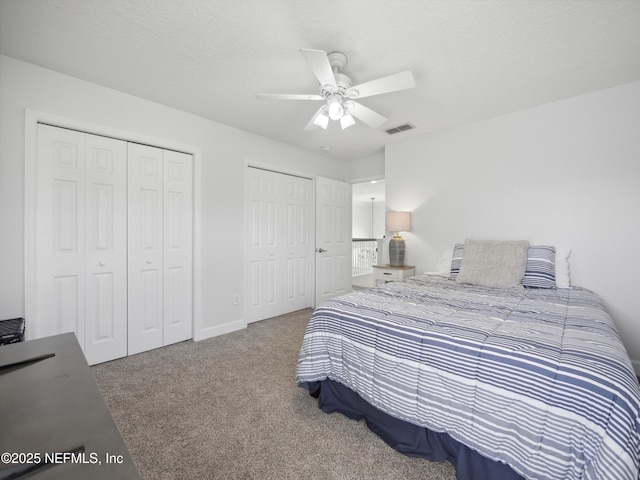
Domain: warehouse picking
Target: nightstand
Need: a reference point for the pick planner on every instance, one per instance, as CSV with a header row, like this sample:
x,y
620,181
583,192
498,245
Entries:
x,y
387,273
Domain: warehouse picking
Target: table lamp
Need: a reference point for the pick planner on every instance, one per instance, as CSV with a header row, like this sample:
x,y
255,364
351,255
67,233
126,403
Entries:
x,y
397,222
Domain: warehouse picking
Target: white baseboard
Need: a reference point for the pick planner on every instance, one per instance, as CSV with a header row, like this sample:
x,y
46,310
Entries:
x,y
217,330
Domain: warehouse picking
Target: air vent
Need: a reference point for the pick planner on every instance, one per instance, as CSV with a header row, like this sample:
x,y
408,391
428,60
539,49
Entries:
x,y
400,128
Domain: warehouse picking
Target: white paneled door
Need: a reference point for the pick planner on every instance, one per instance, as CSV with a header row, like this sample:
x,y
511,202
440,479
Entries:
x,y
80,239
178,252
110,230
298,243
333,238
160,253
105,249
145,248
279,243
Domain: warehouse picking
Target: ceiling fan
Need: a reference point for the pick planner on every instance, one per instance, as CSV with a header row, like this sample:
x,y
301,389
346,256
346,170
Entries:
x,y
338,94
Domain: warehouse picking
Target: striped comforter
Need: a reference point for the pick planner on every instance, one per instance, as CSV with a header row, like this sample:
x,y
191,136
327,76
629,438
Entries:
x,y
534,378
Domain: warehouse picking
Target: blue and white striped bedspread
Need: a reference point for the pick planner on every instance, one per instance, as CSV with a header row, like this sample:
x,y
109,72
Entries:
x,y
534,378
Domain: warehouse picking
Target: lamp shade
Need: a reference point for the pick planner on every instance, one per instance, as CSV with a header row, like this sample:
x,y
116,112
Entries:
x,y
398,221
347,121
321,120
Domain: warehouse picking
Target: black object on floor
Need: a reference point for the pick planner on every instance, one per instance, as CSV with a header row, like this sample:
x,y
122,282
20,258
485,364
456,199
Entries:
x,y
11,331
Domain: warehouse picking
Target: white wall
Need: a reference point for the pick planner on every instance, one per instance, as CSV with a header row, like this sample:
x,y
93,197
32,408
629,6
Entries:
x,y
224,154
364,221
566,173
366,168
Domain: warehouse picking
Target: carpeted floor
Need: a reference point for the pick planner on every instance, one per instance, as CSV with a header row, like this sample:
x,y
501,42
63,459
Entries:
x,y
228,408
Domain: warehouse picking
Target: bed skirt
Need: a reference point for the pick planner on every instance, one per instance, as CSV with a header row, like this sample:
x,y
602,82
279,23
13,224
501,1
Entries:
x,y
407,438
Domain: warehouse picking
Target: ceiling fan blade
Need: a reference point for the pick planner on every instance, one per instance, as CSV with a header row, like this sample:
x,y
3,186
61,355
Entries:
x,y
319,64
366,115
286,96
311,125
391,83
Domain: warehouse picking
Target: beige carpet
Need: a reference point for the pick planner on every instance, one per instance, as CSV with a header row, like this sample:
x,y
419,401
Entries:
x,y
229,408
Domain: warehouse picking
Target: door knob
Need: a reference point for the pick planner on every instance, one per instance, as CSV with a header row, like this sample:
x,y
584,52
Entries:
x,y
103,263
321,250
149,262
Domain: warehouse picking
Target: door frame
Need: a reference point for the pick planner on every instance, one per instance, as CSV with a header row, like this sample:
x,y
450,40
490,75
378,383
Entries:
x,y
32,119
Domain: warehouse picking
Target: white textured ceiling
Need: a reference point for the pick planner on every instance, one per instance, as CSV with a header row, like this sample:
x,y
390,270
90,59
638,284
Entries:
x,y
471,59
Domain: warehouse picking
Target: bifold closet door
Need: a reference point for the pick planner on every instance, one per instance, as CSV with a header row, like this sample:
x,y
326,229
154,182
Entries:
x,y
178,246
298,251
160,253
105,249
80,241
280,248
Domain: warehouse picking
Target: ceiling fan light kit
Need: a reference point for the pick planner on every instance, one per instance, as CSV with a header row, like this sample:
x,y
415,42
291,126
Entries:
x,y
337,91
347,121
321,119
334,104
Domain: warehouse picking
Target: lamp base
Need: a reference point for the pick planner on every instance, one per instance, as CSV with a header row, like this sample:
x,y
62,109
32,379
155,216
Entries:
x,y
396,251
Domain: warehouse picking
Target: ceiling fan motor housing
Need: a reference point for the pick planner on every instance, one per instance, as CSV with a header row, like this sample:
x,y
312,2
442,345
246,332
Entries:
x,y
344,82
338,60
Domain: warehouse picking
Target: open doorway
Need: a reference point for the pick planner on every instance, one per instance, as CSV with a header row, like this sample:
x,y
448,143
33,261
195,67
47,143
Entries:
x,y
368,230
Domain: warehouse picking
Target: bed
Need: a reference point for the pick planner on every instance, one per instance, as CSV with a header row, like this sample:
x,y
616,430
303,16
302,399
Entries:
x,y
519,382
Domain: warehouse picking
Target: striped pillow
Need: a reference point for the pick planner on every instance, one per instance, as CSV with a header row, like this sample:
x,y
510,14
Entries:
x,y
456,260
541,267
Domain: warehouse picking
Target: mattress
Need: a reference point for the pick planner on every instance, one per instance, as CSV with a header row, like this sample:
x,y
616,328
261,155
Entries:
x,y
537,379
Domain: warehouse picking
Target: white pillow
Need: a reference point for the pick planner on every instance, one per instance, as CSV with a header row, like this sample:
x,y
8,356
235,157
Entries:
x,y
563,275
444,264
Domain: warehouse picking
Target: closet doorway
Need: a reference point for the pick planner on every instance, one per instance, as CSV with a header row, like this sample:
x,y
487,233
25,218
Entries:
x,y
109,243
